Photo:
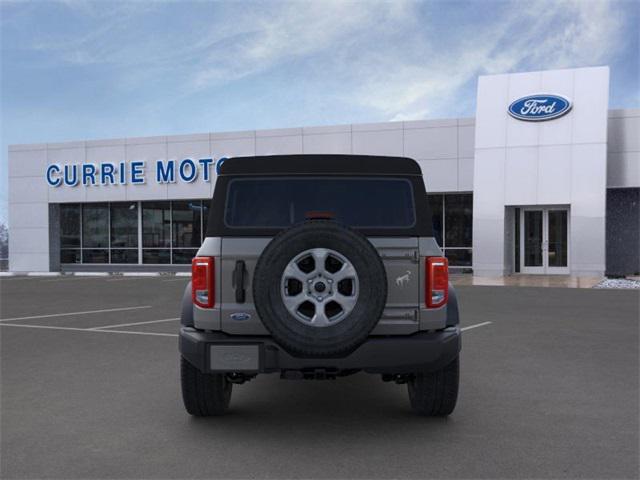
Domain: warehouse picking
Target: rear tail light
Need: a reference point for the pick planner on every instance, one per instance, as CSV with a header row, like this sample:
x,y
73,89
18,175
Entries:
x,y
202,282
437,286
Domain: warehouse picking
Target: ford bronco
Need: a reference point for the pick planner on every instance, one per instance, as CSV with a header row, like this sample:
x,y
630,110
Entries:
x,y
317,267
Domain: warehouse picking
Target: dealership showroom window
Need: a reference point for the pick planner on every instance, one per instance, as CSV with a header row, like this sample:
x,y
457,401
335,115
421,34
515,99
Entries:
x,y
171,232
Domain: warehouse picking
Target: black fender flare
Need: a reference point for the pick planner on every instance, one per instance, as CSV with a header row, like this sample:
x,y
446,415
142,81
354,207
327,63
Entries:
x,y
453,313
186,313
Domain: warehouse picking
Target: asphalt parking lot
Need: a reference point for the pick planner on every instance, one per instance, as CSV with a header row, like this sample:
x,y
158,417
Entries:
x,y
90,389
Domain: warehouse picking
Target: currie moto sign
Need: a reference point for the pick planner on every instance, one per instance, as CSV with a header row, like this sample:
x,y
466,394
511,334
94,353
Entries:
x,y
539,107
130,173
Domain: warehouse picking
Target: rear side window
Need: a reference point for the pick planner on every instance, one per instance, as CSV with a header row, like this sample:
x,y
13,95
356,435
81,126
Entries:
x,y
363,202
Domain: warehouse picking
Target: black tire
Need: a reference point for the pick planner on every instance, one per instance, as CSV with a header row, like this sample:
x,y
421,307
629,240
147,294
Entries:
x,y
435,393
333,340
204,394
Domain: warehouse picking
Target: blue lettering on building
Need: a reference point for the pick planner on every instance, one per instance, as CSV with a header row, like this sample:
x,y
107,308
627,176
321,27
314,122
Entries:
x,y
71,175
165,172
189,174
88,174
106,173
137,172
130,173
206,166
52,180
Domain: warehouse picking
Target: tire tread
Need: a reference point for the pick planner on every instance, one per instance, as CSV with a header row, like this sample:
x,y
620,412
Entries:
x,y
435,394
203,394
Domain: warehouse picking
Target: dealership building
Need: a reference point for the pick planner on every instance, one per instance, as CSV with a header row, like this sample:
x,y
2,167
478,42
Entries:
x,y
545,179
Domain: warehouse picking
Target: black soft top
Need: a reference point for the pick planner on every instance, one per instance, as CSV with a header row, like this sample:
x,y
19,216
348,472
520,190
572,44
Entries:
x,y
325,165
320,164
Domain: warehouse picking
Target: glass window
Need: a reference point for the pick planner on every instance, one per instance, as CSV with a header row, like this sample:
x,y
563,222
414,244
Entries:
x,y
533,236
127,255
458,211
156,255
156,224
186,223
558,245
68,255
124,225
358,202
458,257
517,239
95,225
435,202
95,256
69,226
183,255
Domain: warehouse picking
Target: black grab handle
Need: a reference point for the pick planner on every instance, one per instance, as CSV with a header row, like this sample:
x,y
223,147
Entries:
x,y
238,281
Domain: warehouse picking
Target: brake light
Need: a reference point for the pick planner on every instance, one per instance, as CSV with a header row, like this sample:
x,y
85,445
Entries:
x,y
437,285
202,282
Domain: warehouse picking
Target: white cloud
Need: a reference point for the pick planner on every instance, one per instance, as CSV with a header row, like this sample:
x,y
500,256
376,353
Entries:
x,y
531,35
293,31
389,57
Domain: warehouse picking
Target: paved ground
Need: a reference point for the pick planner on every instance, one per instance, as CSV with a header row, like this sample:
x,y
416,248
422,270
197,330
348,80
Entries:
x,y
525,280
549,389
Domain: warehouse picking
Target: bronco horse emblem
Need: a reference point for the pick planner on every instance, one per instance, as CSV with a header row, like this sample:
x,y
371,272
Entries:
x,y
403,279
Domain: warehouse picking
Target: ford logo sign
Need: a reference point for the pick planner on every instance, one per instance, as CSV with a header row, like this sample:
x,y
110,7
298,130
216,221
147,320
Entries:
x,y
536,108
240,316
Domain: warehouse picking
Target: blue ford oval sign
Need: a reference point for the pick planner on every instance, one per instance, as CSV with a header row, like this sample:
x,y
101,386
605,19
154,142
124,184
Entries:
x,y
536,108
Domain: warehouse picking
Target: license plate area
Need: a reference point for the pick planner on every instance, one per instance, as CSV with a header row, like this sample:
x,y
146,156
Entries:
x,y
234,358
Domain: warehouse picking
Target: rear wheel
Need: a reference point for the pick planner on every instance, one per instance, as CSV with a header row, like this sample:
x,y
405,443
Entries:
x,y
204,394
435,393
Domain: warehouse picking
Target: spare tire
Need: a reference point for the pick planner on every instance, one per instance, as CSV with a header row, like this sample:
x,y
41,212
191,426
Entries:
x,y
319,288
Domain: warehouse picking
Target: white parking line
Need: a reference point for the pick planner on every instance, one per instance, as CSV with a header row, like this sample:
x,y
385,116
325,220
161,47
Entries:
x,y
74,313
135,323
51,327
475,326
155,334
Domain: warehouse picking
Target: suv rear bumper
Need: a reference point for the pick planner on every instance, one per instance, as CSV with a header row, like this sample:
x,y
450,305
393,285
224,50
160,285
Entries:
x,y
218,352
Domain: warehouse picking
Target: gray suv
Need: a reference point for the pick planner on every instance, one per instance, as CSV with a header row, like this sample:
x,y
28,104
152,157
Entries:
x,y
317,267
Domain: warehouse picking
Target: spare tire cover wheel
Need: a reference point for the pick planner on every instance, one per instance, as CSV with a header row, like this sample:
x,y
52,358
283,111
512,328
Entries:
x,y
319,288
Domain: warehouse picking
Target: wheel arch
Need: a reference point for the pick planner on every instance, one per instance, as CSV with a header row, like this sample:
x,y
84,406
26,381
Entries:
x,y
186,312
453,312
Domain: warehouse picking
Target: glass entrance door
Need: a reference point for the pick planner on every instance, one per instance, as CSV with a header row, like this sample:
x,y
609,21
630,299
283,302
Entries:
x,y
533,241
557,241
544,242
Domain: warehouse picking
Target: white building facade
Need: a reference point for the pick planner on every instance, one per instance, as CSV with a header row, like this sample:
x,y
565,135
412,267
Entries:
x,y
545,179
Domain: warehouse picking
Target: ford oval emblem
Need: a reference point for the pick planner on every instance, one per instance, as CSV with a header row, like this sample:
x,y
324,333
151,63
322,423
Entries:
x,y
536,108
240,316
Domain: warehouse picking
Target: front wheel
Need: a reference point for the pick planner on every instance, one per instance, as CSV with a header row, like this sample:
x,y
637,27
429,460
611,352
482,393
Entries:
x,y
435,394
204,394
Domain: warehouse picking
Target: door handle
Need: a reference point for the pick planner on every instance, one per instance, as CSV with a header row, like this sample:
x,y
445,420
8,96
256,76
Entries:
x,y
238,281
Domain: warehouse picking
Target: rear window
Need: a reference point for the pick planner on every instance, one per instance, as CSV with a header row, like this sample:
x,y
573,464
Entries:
x,y
358,202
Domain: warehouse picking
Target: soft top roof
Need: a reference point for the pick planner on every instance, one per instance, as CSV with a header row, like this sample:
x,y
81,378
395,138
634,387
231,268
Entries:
x,y
319,164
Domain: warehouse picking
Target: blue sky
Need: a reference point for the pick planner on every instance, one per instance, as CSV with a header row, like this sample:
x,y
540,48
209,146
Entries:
x,y
75,70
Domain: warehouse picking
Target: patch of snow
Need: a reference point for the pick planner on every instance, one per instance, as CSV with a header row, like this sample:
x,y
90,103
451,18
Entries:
x,y
624,283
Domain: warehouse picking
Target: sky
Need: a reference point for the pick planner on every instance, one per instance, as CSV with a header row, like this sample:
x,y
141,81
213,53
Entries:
x,y
75,70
